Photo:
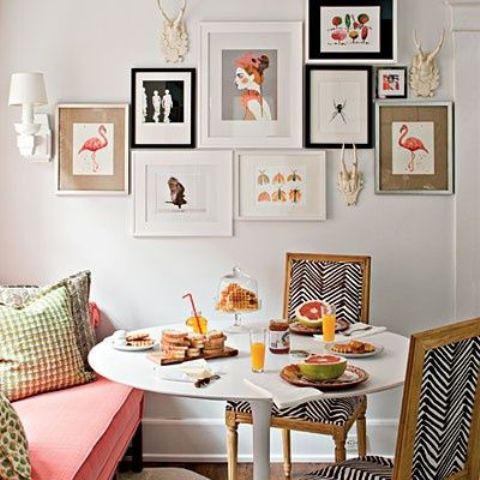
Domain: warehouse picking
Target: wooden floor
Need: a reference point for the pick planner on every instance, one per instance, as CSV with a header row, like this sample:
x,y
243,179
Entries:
x,y
218,471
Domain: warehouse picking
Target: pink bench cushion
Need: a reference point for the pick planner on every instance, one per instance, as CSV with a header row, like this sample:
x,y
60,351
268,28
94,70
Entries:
x,y
80,433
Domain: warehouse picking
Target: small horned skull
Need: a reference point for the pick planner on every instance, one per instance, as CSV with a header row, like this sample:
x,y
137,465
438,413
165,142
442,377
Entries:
x,y
174,35
424,71
350,182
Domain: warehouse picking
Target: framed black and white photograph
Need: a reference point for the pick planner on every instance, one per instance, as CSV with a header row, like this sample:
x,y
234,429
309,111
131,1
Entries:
x,y
338,106
391,82
251,85
163,107
351,31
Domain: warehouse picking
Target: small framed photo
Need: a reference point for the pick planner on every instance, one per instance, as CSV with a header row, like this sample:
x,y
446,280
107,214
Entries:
x,y
163,107
251,93
280,185
392,82
351,31
414,148
338,106
183,194
92,149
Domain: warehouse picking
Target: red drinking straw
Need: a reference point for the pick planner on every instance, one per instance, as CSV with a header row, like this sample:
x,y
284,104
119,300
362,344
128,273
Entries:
x,y
197,318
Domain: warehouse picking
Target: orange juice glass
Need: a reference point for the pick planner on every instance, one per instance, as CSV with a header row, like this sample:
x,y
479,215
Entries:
x,y
198,324
257,349
329,321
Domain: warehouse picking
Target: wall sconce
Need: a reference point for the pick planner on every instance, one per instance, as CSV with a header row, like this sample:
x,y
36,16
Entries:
x,y
34,135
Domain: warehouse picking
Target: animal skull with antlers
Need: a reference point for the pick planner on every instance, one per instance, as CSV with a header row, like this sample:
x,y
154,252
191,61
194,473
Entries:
x,y
424,71
174,35
350,182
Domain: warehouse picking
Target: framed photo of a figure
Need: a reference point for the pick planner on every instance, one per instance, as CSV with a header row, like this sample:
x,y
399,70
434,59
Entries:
x,y
338,106
414,148
183,194
92,149
251,92
391,82
163,107
351,31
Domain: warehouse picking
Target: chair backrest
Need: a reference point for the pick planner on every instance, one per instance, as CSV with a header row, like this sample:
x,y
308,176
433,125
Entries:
x,y
341,280
439,434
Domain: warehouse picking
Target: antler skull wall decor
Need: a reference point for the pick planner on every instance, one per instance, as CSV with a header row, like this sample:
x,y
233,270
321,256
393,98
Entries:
x,y
350,182
174,35
424,71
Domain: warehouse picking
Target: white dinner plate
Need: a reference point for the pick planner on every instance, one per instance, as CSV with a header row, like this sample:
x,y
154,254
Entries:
x,y
129,348
378,349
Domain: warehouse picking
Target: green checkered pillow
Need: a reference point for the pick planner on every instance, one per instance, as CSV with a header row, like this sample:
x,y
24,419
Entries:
x,y
14,461
38,349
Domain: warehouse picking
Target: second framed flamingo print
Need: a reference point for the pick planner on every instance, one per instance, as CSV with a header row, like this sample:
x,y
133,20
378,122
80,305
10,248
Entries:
x,y
414,148
251,93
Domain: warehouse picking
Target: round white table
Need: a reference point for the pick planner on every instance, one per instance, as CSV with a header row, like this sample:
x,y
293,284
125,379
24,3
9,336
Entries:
x,y
386,371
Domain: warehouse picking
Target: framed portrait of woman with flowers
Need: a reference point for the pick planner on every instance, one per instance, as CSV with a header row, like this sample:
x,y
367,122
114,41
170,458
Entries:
x,y
251,92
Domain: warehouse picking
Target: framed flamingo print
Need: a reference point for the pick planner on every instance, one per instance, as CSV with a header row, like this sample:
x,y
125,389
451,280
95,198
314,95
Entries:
x,y
92,149
251,85
414,148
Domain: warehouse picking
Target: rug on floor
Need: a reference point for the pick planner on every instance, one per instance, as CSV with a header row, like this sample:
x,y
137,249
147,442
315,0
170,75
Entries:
x,y
162,474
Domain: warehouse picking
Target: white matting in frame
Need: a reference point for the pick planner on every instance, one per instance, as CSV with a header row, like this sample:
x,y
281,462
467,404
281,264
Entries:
x,y
180,193
269,56
280,185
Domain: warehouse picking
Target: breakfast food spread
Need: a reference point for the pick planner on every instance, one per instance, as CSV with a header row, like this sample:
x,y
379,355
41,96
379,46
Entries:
x,y
138,339
234,298
353,347
177,345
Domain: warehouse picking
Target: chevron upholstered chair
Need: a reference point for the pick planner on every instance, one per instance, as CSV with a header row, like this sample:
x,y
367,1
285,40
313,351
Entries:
x,y
343,281
439,435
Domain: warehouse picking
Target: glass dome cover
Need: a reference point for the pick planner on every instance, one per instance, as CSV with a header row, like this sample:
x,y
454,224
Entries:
x,y
237,293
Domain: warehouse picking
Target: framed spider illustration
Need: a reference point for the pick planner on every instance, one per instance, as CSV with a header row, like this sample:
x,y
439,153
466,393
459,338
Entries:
x,y
338,106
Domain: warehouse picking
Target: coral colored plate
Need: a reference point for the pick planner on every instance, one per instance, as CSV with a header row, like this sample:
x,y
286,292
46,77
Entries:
x,y
300,329
352,377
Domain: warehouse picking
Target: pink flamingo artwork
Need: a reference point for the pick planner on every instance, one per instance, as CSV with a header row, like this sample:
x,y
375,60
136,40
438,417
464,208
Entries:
x,y
94,144
412,144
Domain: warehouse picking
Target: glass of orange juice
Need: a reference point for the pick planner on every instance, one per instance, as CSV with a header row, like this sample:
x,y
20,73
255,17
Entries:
x,y
329,320
198,323
257,349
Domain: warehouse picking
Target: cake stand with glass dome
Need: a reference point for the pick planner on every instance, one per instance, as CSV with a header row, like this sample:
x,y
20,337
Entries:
x,y
237,295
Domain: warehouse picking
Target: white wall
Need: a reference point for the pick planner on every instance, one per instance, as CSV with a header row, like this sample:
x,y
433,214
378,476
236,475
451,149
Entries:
x,y
86,50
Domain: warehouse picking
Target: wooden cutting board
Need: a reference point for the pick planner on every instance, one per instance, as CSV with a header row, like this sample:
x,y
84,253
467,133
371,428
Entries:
x,y
157,357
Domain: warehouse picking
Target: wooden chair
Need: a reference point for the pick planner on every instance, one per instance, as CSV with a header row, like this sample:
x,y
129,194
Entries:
x,y
343,281
439,433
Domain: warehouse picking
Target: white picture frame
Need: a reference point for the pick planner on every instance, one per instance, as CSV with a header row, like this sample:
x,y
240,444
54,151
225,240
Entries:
x,y
183,193
224,105
261,174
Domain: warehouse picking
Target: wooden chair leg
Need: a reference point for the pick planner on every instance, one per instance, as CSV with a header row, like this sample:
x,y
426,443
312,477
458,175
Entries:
x,y
340,439
232,450
137,450
362,433
287,453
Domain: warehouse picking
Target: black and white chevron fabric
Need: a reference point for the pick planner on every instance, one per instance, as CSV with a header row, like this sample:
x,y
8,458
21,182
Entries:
x,y
364,468
337,283
449,380
331,411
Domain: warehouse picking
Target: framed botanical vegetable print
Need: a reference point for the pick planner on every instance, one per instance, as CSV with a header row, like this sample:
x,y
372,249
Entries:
x,y
92,149
338,106
183,194
351,31
163,107
251,93
391,82
414,148
280,185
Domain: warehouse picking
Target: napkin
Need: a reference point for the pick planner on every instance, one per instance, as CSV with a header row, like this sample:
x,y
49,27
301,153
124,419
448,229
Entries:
x,y
188,372
283,394
358,334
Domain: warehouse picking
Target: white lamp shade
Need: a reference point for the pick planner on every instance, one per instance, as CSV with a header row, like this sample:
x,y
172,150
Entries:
x,y
27,88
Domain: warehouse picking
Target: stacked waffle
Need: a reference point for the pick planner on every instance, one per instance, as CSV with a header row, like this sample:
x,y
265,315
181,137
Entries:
x,y
235,298
185,346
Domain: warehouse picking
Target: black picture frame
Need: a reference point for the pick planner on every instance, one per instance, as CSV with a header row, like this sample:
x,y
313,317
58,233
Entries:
x,y
135,143
308,106
388,33
402,68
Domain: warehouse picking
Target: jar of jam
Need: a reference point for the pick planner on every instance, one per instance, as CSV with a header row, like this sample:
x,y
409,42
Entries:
x,y
279,336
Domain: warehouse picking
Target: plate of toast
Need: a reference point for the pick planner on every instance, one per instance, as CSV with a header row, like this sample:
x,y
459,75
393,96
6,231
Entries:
x,y
355,349
133,342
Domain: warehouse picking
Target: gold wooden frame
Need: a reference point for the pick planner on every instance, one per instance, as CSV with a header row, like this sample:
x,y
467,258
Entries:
x,y
420,343
337,432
